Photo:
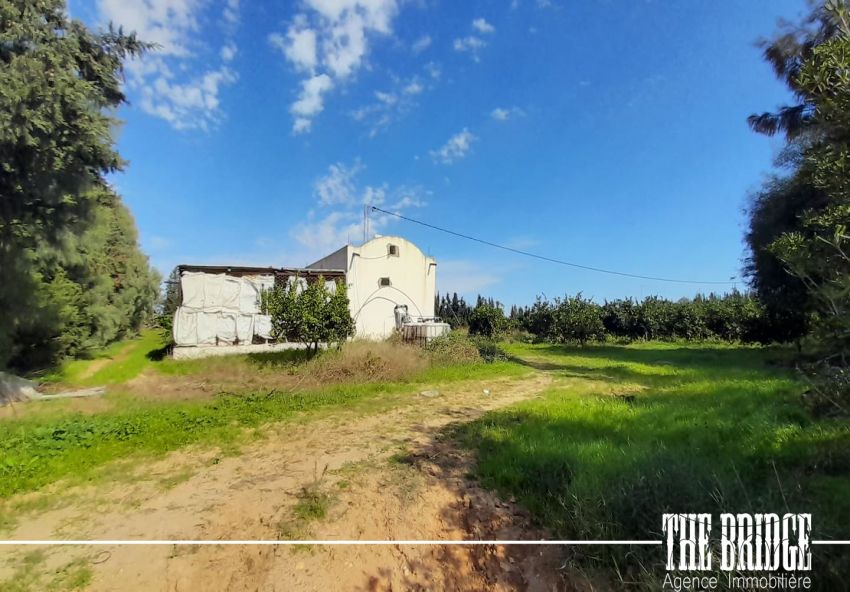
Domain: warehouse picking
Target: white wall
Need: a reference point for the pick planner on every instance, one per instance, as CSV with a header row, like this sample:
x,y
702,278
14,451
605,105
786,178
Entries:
x,y
413,278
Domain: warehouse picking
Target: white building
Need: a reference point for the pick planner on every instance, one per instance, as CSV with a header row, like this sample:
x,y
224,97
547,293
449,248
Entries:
x,y
380,274
220,305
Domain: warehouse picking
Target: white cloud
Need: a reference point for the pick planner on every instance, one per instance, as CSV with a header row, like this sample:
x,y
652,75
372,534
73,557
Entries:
x,y
310,101
503,114
482,26
473,44
337,187
386,98
374,196
465,277
231,12
176,82
391,105
228,52
324,235
421,44
470,43
409,199
433,70
331,37
414,88
164,22
457,147
299,45
338,218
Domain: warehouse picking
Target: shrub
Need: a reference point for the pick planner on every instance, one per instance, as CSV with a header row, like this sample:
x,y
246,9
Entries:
x,y
540,319
578,319
487,321
453,348
312,315
489,350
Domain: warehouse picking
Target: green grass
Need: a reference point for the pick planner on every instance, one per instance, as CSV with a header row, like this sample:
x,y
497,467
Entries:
x,y
124,360
711,428
38,449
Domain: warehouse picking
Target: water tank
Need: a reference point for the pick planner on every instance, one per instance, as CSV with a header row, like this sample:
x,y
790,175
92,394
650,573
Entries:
x,y
422,332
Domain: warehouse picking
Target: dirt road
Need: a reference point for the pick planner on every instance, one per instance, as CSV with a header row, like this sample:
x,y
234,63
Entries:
x,y
349,475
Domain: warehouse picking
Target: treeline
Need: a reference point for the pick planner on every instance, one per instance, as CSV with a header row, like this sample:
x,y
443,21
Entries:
x,y
455,311
72,276
733,317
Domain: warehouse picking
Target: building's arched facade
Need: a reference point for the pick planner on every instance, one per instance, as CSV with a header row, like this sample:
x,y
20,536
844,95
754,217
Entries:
x,y
380,274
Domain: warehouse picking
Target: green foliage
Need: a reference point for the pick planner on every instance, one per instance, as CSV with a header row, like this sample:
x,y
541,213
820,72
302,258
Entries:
x,y
454,311
337,323
312,314
539,320
774,210
808,237
169,301
71,277
732,317
489,350
487,321
453,348
592,465
96,289
576,319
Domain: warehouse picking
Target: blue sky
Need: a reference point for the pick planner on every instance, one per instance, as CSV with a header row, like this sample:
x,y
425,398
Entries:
x,y
609,133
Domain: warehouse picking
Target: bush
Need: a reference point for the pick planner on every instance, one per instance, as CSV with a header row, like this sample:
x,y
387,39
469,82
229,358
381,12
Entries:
x,y
578,319
489,350
487,321
453,348
539,320
312,315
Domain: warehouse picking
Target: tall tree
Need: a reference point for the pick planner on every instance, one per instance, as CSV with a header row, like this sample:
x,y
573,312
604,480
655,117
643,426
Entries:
x,y
811,58
59,82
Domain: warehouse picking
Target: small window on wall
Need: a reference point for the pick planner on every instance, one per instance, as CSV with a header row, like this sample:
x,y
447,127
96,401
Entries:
x,y
384,282
392,250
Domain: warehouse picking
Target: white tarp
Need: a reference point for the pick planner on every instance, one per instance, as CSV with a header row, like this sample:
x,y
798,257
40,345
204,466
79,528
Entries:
x,y
263,326
185,326
221,309
192,286
245,328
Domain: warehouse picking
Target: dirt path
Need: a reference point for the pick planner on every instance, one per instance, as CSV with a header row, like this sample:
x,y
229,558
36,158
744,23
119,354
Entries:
x,y
381,477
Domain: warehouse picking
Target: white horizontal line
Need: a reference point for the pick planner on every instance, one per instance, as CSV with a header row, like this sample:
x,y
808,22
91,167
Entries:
x,y
830,542
330,543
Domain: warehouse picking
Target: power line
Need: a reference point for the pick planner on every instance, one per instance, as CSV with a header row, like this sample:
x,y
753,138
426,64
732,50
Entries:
x,y
549,259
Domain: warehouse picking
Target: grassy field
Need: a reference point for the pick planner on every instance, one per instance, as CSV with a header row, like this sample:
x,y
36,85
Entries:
x,y
53,440
623,435
628,433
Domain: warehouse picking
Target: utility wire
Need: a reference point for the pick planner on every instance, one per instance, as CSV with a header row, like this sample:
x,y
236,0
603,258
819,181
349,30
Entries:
x,y
549,259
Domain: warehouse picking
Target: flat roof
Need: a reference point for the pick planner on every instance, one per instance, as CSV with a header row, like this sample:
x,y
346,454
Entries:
x,y
241,270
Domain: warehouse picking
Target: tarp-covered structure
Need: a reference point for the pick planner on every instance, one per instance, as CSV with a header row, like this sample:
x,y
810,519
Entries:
x,y
221,305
